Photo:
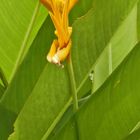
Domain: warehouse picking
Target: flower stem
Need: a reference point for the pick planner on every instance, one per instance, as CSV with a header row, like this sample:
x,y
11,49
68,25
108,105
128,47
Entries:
x,y
73,85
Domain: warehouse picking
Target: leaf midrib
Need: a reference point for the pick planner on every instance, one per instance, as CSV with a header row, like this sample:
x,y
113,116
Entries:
x,y
87,75
26,39
68,103
92,67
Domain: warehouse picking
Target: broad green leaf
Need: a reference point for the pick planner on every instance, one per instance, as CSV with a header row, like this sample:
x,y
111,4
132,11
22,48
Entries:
x,y
27,75
80,9
2,89
68,133
138,25
30,71
3,79
39,20
113,111
6,117
46,101
87,20
16,22
135,133
35,61
134,136
119,46
96,33
119,42
93,32
136,128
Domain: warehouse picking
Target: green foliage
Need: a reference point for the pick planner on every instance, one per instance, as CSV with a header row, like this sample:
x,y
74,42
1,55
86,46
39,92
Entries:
x,y
37,104
17,20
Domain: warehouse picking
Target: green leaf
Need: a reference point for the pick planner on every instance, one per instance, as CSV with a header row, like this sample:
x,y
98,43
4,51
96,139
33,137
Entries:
x,y
97,30
17,21
30,71
138,25
46,88
135,133
99,25
3,79
27,76
119,46
113,111
2,89
40,17
6,117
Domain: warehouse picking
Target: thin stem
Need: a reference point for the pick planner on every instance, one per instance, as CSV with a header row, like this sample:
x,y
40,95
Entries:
x,y
74,94
3,78
73,85
75,102
76,127
56,120
26,39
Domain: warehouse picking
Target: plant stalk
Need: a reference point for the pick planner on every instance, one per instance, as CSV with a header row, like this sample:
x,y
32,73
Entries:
x,y
73,85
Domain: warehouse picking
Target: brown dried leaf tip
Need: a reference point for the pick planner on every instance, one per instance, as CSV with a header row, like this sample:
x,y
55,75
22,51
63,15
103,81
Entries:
x,y
59,11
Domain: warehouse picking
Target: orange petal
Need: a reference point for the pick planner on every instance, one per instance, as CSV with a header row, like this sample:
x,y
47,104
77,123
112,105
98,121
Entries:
x,y
60,31
52,51
65,21
71,4
47,4
62,54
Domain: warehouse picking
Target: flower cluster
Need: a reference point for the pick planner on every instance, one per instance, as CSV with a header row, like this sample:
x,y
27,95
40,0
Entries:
x,y
59,11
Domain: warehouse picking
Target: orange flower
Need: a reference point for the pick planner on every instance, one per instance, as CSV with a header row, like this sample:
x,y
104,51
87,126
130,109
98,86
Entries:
x,y
59,11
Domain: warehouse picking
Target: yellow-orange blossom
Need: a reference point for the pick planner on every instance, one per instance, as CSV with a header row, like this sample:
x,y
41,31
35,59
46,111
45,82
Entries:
x,y
59,11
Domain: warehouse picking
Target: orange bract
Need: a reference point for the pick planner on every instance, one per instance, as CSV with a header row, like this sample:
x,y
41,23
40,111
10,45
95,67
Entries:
x,y
59,11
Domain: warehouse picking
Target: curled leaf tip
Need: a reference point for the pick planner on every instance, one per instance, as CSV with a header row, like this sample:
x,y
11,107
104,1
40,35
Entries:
x,y
59,11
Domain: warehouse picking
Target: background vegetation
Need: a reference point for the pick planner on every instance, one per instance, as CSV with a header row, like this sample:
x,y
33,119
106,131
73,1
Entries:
x,y
36,100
